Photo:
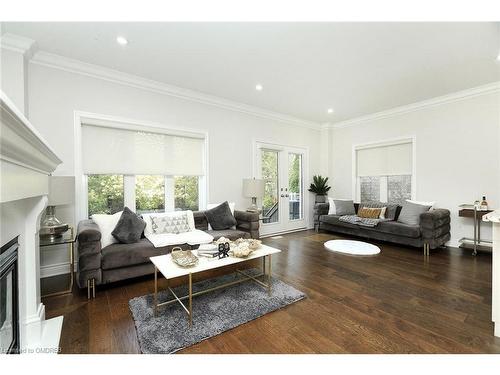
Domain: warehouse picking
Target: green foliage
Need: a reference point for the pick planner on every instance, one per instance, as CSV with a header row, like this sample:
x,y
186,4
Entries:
x,y
294,168
186,193
270,176
319,185
149,193
105,194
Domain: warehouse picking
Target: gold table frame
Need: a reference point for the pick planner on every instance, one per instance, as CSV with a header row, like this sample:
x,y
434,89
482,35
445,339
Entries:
x,y
190,295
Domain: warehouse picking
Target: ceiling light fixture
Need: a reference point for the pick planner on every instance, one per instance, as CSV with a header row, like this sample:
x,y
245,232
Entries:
x,y
259,87
122,40
330,110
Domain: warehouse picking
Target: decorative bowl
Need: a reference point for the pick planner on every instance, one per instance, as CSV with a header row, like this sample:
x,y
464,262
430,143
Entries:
x,y
184,258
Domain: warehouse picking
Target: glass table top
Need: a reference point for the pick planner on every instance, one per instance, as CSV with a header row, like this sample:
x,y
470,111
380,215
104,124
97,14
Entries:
x,y
66,238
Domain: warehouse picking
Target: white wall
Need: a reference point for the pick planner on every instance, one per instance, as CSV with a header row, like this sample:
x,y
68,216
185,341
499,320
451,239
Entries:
x,y
54,95
457,154
13,78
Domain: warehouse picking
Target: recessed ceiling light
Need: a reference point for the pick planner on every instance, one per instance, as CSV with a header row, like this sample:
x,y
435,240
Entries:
x,y
259,87
122,40
330,110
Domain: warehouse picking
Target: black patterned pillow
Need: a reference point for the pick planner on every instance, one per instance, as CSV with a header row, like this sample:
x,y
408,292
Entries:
x,y
175,223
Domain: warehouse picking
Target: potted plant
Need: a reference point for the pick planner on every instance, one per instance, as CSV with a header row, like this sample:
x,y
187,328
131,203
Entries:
x,y
320,187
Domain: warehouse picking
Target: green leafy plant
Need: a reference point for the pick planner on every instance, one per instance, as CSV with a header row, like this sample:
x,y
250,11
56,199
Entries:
x,y
319,185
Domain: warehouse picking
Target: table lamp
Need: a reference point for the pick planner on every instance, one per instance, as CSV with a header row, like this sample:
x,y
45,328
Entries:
x,y
61,192
253,188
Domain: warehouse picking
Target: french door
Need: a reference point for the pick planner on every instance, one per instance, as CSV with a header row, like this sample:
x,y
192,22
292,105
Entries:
x,y
283,170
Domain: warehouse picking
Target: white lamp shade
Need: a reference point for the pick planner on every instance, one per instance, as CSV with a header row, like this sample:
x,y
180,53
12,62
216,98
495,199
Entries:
x,y
61,190
253,187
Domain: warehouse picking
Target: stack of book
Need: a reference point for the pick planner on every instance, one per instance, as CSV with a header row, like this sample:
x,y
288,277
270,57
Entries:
x,y
208,251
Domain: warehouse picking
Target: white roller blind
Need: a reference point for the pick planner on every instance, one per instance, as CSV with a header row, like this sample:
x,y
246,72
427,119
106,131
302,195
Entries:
x,y
385,160
107,150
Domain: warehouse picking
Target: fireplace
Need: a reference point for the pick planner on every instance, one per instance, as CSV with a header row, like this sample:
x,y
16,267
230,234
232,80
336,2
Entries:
x,y
9,298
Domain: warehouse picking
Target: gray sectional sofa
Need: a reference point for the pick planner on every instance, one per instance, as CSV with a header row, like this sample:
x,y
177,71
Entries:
x,y
120,261
432,232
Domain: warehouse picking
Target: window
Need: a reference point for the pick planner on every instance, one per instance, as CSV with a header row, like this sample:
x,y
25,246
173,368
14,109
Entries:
x,y
295,186
384,172
369,189
270,202
398,188
186,193
105,194
144,168
149,193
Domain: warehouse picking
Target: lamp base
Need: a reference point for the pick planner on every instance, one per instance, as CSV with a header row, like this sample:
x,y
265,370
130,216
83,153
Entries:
x,y
253,207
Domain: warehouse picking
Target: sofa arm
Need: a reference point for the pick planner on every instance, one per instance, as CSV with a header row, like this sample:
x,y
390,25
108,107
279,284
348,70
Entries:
x,y
435,226
248,222
320,209
89,253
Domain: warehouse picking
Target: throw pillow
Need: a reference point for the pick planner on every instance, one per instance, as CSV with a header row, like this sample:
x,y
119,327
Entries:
x,y
232,205
390,209
175,223
220,217
410,213
369,213
344,207
331,207
106,224
148,231
129,228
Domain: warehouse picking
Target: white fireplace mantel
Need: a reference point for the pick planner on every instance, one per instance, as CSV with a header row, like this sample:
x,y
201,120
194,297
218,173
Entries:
x,y
26,161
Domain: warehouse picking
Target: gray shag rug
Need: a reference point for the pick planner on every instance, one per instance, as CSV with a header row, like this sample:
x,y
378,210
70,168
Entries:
x,y
213,313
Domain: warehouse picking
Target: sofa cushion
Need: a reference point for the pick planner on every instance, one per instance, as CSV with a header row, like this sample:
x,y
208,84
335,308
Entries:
x,y
124,255
397,228
129,228
220,217
410,213
232,234
334,220
344,207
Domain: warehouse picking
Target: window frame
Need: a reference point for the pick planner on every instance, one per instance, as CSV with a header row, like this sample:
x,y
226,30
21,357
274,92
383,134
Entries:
x,y
356,191
81,186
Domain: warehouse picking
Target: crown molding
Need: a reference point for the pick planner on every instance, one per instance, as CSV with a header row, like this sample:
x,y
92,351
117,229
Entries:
x,y
18,44
75,66
440,100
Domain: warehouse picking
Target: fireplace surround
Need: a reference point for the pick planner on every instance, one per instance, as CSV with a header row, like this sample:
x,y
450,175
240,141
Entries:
x,y
9,298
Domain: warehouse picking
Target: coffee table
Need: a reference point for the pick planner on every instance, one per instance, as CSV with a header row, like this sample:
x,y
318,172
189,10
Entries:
x,y
170,270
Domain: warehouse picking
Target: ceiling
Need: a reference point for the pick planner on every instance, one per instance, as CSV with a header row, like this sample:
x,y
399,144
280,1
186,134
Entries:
x,y
305,68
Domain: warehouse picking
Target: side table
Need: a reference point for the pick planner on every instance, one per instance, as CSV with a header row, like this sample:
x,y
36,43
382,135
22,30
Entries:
x,y
68,238
475,243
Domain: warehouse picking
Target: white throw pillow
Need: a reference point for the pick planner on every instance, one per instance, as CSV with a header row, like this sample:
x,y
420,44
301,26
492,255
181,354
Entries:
x,y
106,224
382,213
149,223
331,209
423,203
232,205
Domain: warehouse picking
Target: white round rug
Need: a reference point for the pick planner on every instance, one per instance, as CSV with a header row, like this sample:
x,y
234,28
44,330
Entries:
x,y
352,247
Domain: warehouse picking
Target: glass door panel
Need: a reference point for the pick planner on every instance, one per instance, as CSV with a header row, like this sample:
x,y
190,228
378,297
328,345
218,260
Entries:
x,y
295,187
270,172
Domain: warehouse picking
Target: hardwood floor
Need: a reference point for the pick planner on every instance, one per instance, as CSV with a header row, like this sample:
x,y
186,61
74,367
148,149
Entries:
x,y
395,302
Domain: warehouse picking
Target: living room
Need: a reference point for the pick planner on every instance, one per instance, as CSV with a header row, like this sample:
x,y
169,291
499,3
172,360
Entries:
x,y
250,187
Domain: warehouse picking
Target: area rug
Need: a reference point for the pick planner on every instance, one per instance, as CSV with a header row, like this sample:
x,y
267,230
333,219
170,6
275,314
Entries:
x,y
352,247
213,313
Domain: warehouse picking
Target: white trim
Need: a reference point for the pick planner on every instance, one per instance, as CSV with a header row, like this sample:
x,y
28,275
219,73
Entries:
x,y
17,43
397,111
36,318
50,60
56,269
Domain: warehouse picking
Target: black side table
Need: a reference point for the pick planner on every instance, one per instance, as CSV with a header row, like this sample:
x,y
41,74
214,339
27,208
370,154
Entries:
x,y
68,238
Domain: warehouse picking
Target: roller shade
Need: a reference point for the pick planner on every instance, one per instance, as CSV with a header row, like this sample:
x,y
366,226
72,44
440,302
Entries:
x,y
385,160
107,150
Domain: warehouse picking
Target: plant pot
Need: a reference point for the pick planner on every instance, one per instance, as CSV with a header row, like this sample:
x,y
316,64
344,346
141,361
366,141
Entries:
x,y
320,198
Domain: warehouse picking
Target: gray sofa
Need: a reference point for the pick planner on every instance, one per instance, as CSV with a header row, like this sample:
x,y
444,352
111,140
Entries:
x,y
120,261
433,231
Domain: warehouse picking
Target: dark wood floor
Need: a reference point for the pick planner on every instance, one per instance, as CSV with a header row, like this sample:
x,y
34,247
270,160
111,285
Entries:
x,y
396,302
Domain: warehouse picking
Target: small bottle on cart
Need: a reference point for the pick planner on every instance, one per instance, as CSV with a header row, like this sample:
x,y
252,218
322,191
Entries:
x,y
484,204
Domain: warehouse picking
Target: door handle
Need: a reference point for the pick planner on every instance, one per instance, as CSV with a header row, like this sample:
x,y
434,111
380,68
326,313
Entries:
x,y
282,195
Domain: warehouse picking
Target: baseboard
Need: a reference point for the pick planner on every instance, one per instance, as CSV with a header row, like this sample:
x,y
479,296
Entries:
x,y
284,232
38,317
55,269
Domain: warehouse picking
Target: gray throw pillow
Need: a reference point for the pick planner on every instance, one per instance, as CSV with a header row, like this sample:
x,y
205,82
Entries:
x,y
410,213
220,217
129,227
344,207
